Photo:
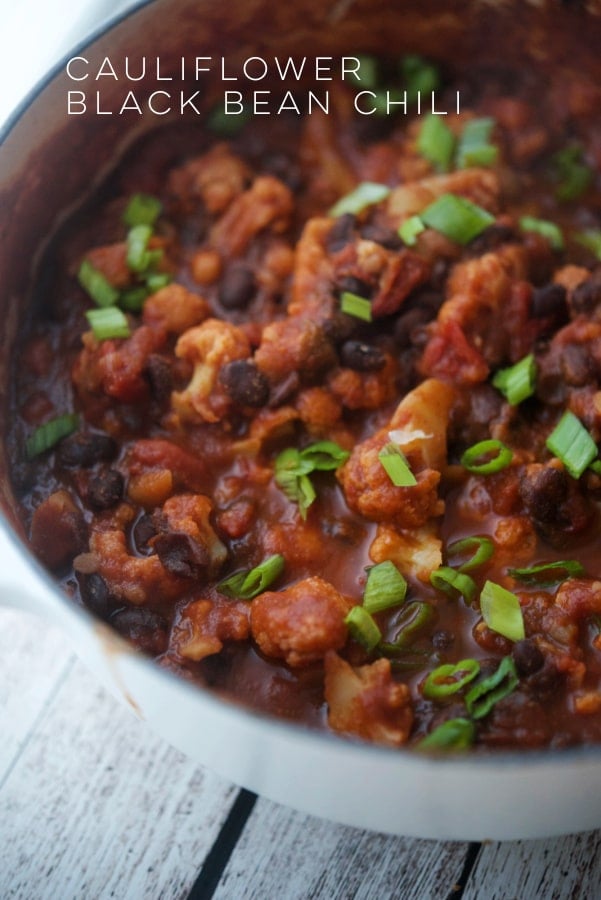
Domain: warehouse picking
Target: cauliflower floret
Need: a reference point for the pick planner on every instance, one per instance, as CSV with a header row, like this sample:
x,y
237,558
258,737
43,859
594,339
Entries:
x,y
294,345
416,553
117,367
267,204
366,702
301,623
174,308
186,518
138,580
419,423
419,428
215,179
364,390
204,626
208,347
311,291
481,186
318,410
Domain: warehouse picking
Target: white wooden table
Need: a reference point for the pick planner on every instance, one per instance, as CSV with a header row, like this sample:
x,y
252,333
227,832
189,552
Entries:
x,y
93,805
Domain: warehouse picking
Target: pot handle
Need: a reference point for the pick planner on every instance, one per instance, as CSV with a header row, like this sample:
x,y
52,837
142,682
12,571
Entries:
x,y
23,582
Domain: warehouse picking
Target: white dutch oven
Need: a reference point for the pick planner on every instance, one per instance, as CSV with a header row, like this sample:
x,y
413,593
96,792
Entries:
x,y
47,160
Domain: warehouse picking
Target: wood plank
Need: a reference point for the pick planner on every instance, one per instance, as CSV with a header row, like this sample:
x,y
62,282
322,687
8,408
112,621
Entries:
x,y
34,657
97,806
288,855
556,869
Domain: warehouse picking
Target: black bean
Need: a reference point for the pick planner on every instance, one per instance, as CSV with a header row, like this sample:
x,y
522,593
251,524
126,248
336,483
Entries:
x,y
528,658
237,288
379,234
86,448
348,283
408,324
341,233
180,554
158,370
362,357
105,489
550,300
491,238
543,489
144,628
245,383
96,595
587,296
143,531
339,327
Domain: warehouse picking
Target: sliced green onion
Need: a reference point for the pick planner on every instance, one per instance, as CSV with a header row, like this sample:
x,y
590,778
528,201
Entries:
x,y
410,230
481,698
356,306
142,209
595,466
436,142
591,239
549,573
385,587
324,456
475,459
502,612
306,495
157,280
50,433
572,444
454,734
133,298
227,124
474,147
138,258
517,382
291,475
96,285
546,229
457,218
363,629
293,467
365,194
395,464
412,619
479,547
450,678
108,323
154,258
247,585
419,75
571,172
452,583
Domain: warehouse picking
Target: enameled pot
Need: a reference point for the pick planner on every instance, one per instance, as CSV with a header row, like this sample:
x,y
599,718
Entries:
x,y
48,161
